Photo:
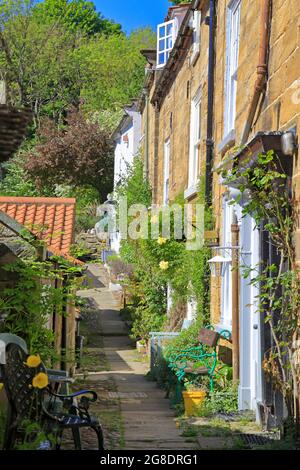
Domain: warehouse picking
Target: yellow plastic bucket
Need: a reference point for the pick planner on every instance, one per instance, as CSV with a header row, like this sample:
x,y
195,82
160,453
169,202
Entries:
x,y
192,400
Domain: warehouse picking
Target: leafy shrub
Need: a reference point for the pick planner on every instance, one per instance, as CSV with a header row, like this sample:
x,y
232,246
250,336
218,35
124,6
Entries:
x,y
220,401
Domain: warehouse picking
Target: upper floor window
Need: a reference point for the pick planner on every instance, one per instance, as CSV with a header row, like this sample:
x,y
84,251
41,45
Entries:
x,y
166,171
232,55
196,25
166,36
195,138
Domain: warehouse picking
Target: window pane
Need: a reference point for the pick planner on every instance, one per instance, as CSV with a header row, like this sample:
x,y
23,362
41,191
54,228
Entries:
x,y
169,29
161,45
161,58
162,31
169,44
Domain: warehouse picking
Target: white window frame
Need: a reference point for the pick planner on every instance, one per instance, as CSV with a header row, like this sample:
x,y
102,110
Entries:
x,y
232,56
196,26
167,154
169,41
195,140
226,290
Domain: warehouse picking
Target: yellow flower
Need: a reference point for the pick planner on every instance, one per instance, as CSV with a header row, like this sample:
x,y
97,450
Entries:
x,y
161,241
33,361
164,265
1,387
40,380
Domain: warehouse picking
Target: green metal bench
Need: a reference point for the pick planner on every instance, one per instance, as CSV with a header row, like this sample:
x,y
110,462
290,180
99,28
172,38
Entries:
x,y
199,360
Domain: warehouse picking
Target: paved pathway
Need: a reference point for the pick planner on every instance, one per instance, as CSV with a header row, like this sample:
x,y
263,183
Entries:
x,y
148,421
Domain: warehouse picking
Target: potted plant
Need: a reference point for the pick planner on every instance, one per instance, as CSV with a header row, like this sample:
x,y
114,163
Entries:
x,y
194,395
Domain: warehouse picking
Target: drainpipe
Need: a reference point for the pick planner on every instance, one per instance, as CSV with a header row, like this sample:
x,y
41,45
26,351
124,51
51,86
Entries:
x,y
262,67
235,300
210,102
146,159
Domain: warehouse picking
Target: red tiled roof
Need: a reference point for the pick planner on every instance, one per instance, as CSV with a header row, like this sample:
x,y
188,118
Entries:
x,y
51,219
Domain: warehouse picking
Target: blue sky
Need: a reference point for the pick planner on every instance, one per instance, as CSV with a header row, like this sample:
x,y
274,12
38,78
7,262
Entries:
x,y
134,13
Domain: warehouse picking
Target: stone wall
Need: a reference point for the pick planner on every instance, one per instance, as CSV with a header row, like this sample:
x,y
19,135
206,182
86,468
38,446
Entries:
x,y
280,108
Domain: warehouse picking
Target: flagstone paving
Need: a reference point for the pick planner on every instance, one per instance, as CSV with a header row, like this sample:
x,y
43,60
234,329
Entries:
x,y
145,420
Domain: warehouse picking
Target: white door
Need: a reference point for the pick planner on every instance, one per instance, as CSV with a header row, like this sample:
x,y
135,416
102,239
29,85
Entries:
x,y
250,389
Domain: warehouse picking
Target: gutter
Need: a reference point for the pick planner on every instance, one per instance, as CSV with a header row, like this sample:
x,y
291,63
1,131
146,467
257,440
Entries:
x,y
262,68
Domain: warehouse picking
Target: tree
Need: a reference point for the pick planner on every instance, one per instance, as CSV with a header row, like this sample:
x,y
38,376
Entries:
x,y
36,62
79,155
112,69
50,63
76,15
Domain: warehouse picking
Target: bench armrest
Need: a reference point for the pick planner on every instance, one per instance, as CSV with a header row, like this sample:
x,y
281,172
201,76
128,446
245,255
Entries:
x,y
75,394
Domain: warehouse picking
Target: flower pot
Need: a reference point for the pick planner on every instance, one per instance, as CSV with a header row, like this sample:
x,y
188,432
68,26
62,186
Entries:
x,y
192,400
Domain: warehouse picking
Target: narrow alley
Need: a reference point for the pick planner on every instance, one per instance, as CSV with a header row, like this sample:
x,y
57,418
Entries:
x,y
146,417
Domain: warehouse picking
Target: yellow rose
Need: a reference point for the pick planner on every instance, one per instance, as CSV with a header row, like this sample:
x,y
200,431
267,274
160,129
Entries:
x,y
164,265
1,386
40,380
33,361
161,241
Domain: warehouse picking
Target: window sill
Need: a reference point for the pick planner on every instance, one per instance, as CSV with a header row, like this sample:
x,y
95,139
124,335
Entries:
x,y
227,142
190,191
194,56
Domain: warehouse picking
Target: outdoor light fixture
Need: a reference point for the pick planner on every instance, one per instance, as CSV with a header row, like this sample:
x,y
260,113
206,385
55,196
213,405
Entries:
x,y
218,265
288,143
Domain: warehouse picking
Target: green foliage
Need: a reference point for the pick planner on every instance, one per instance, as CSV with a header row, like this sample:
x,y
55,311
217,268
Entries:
x,y
220,401
271,204
76,15
30,301
112,69
60,54
16,182
134,187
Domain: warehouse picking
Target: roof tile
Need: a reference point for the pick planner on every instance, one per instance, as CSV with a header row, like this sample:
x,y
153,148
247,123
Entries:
x,y
52,219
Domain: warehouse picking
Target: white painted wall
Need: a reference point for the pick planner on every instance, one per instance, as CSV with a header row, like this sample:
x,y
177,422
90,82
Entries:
x,y
127,143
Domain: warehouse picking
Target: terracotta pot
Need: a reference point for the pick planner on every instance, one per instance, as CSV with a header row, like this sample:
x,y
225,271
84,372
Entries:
x,y
192,400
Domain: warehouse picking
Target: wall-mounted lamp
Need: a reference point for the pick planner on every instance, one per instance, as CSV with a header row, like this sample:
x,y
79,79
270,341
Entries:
x,y
288,143
218,265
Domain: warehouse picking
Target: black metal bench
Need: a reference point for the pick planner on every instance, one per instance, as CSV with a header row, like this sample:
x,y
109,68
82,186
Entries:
x,y
53,412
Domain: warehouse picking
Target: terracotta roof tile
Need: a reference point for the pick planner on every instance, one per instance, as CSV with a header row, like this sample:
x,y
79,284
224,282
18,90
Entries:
x,y
51,219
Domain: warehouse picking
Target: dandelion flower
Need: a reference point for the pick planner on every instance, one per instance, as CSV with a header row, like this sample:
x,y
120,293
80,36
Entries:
x,y
164,265
33,361
40,380
161,241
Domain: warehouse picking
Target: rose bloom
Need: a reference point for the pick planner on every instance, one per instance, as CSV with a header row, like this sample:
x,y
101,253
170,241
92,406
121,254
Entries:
x,y
164,265
161,241
40,380
33,361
